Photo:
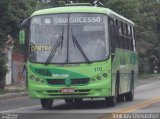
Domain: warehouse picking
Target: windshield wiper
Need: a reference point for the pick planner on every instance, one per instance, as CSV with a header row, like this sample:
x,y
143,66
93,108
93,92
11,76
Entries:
x,y
58,43
75,42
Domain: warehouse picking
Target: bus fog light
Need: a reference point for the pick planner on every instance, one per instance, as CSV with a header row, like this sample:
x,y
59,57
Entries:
x,y
42,81
99,77
32,77
37,79
105,75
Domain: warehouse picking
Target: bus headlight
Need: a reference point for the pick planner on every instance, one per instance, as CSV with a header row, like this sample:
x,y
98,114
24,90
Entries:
x,y
37,79
32,77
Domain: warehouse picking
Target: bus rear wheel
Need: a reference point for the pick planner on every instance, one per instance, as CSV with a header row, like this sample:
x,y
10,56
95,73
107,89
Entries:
x,y
120,98
46,103
130,95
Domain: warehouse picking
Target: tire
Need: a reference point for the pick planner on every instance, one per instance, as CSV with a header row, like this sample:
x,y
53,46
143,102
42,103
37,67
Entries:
x,y
78,101
130,95
46,103
120,98
112,101
69,101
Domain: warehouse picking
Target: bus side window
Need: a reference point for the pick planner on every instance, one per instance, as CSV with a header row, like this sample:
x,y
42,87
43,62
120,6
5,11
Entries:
x,y
122,37
112,38
120,34
114,33
116,30
125,36
117,33
132,46
128,37
134,38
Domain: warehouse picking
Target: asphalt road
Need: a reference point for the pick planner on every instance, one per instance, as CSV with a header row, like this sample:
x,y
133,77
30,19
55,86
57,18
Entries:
x,y
147,100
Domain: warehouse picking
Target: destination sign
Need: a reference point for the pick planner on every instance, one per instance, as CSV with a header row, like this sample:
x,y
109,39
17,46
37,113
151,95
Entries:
x,y
63,19
41,48
78,20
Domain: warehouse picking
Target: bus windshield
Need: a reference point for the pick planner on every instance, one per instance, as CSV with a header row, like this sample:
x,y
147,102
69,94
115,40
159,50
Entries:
x,y
69,38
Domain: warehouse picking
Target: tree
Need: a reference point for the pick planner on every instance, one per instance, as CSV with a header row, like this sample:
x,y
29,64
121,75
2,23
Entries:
x,y
4,28
54,3
12,13
144,13
146,16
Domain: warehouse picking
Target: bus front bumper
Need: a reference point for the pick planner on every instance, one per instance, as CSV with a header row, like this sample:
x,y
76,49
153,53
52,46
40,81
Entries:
x,y
89,91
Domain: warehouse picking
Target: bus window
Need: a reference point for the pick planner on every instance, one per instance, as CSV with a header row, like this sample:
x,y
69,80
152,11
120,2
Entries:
x,y
122,37
134,46
131,29
112,37
127,37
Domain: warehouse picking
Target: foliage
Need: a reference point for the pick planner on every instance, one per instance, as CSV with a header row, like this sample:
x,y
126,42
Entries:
x,y
12,13
144,13
19,10
3,68
146,16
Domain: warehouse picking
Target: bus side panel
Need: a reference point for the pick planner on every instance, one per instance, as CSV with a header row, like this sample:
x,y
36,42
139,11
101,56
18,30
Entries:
x,y
124,63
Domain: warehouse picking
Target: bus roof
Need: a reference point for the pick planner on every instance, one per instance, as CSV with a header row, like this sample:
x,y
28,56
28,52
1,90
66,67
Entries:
x,y
80,9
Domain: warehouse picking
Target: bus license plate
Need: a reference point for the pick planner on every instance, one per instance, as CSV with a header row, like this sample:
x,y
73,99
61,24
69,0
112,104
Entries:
x,y
67,90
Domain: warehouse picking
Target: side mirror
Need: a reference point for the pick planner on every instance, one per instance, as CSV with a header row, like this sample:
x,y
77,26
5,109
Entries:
x,y
22,37
25,23
23,26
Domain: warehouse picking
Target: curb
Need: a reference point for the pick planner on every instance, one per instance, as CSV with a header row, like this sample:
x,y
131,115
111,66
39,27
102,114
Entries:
x,y
13,95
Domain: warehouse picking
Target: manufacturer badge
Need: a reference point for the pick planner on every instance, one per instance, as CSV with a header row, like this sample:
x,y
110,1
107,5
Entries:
x,y
68,81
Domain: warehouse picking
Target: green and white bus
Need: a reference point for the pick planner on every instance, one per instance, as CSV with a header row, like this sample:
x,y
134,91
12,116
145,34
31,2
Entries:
x,y
80,52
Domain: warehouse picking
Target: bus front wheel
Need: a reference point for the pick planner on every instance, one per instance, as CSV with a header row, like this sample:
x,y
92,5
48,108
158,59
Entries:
x,y
69,101
112,101
47,103
77,101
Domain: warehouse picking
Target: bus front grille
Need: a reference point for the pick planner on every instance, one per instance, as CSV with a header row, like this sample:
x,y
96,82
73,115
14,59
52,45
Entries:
x,y
79,81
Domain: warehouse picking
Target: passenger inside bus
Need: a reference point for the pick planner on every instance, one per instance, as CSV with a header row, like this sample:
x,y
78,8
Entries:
x,y
96,45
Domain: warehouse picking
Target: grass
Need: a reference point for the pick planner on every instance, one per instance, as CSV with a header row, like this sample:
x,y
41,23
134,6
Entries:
x,y
148,75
